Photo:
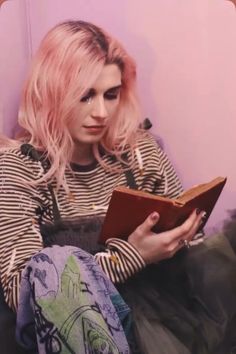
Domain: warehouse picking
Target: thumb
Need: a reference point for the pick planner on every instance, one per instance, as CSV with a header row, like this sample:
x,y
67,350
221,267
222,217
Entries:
x,y
150,221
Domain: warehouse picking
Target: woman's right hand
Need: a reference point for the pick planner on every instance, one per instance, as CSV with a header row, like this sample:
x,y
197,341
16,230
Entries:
x,y
155,247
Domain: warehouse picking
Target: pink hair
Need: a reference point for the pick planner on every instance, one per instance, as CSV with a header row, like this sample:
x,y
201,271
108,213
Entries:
x,y
68,61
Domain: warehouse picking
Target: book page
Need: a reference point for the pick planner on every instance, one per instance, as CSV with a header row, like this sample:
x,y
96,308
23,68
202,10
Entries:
x,y
199,189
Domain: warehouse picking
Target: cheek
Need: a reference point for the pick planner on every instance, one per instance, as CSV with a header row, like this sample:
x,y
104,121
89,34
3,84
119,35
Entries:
x,y
113,107
74,124
79,114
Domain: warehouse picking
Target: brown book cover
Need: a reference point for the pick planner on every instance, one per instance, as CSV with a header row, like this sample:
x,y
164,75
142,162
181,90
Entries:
x,y
129,208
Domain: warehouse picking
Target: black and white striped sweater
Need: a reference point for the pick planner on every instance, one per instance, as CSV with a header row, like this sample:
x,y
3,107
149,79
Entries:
x,y
91,188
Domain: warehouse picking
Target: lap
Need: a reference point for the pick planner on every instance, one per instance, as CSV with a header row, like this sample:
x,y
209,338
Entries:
x,y
192,295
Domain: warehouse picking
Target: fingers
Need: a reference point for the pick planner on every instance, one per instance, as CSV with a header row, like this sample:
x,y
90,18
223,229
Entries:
x,y
185,231
155,247
201,215
149,222
183,234
189,228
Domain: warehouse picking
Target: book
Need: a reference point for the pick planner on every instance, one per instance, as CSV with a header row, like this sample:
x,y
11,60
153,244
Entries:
x,y
129,208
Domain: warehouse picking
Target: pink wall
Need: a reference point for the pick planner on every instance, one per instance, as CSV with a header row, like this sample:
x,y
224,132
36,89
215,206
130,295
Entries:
x,y
186,55
14,60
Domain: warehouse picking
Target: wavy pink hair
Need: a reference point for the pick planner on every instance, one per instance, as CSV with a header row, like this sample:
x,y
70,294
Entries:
x,y
68,61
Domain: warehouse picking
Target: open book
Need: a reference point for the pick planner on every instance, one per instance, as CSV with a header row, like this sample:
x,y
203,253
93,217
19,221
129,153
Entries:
x,y
129,208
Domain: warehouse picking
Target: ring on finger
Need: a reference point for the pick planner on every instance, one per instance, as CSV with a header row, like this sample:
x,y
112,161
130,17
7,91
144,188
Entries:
x,y
184,243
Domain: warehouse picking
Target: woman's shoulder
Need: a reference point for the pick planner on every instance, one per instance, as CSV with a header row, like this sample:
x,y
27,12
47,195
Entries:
x,y
149,152
13,159
13,155
148,144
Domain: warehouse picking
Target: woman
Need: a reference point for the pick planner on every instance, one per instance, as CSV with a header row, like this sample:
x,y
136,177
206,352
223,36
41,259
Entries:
x,y
80,138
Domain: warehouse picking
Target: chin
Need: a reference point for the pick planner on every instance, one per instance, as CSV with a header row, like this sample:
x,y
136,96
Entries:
x,y
88,140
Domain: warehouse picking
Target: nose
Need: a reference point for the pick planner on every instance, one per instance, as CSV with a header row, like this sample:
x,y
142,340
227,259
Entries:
x,y
99,108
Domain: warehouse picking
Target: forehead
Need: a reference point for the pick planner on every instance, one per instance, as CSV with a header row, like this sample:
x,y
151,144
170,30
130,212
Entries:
x,y
109,77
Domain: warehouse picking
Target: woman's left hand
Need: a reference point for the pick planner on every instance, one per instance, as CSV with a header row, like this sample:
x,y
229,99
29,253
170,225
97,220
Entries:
x,y
155,247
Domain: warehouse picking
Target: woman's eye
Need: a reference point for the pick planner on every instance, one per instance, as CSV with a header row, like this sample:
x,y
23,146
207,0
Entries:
x,y
87,97
111,96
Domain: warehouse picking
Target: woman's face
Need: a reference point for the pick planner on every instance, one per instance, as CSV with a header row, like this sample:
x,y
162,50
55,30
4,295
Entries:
x,y
97,107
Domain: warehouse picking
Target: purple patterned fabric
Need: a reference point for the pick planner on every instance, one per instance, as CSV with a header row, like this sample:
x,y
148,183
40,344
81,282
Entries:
x,y
68,305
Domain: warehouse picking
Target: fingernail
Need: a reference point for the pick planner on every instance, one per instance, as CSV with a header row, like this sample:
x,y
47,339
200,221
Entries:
x,y
198,211
154,216
204,215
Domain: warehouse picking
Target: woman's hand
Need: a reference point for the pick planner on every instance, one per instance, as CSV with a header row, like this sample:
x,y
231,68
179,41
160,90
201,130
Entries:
x,y
155,247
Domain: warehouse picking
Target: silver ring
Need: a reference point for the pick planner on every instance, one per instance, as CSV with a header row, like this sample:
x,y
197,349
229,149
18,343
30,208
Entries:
x,y
184,243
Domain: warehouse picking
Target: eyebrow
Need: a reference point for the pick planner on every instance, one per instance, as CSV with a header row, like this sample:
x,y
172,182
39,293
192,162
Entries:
x,y
114,88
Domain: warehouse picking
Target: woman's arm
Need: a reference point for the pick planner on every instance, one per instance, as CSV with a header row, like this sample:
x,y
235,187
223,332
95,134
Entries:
x,y
120,260
20,237
123,259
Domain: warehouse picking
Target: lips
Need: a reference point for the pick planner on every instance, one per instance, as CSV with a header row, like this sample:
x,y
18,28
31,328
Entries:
x,y
94,128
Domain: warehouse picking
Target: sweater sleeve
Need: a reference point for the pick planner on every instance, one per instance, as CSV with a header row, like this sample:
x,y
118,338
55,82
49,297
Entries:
x,y
20,237
120,260
154,173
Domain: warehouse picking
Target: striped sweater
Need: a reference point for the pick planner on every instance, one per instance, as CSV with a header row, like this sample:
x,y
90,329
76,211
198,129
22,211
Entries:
x,y
90,191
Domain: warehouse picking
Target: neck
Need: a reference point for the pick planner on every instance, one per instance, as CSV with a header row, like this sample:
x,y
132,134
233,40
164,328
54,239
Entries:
x,y
83,155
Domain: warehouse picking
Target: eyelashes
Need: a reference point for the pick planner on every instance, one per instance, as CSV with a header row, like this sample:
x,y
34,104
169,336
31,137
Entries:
x,y
88,97
113,93
108,95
